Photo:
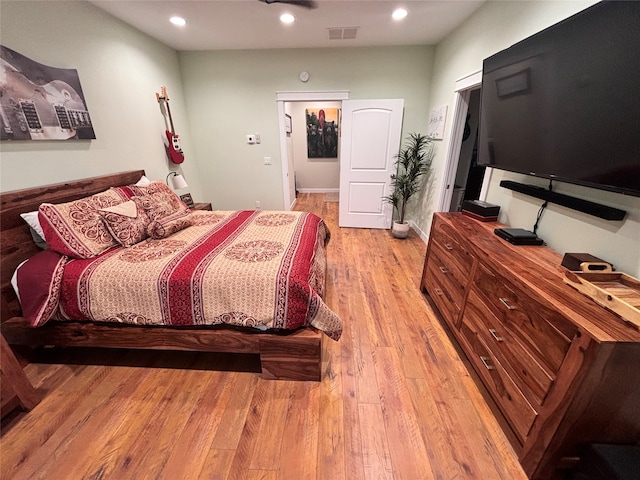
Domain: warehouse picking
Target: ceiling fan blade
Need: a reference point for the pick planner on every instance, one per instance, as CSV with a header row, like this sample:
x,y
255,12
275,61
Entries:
x,y
300,3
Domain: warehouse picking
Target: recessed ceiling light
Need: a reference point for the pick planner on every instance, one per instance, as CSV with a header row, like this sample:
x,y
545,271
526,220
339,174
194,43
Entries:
x,y
399,14
287,18
179,21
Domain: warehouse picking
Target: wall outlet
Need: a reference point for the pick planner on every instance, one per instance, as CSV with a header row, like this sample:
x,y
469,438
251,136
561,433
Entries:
x,y
267,160
258,204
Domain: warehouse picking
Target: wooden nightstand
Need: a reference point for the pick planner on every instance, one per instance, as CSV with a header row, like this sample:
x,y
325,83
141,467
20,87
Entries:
x,y
202,206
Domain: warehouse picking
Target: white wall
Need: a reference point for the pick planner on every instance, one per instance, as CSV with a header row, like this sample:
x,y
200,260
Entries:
x,y
120,70
493,27
233,93
319,174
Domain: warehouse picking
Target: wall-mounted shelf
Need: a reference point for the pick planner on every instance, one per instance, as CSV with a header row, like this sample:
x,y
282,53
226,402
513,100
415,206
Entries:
x,y
584,206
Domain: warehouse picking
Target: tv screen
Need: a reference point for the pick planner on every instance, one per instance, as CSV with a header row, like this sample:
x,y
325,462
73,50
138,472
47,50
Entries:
x,y
564,104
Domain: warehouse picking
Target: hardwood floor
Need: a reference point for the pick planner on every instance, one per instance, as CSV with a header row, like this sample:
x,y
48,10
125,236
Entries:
x,y
396,400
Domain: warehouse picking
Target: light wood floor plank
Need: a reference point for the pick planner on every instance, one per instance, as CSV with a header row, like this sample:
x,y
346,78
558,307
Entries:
x,y
375,447
396,399
300,433
331,448
217,465
406,445
271,430
192,446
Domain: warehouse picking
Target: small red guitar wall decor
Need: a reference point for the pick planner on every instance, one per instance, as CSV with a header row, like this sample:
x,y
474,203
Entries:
x,y
174,150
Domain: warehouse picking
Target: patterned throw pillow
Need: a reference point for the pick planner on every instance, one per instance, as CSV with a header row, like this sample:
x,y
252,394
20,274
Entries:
x,y
169,225
160,204
76,228
126,222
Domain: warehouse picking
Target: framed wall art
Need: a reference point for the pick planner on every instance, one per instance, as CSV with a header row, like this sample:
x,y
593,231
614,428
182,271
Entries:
x,y
39,102
322,132
436,122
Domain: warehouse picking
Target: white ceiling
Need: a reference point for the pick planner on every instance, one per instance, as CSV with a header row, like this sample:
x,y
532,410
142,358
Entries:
x,y
252,24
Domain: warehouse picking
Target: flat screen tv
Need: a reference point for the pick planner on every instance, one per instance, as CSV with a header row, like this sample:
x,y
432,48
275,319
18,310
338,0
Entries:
x,y
564,104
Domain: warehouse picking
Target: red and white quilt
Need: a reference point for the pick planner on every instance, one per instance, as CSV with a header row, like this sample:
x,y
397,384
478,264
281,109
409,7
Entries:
x,y
245,268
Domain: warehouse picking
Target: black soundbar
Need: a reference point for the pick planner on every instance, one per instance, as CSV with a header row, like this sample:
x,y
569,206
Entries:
x,y
584,206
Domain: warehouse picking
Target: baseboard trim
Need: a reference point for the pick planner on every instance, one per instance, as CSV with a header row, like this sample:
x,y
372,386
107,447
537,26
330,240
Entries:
x,y
318,190
421,234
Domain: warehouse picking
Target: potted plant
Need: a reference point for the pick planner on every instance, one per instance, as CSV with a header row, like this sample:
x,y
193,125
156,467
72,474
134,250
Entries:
x,y
413,161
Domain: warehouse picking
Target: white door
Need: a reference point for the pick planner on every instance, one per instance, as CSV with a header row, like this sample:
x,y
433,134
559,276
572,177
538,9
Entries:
x,y
371,131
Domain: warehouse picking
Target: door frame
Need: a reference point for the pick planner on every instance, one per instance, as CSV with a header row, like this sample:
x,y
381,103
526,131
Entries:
x,y
462,94
302,96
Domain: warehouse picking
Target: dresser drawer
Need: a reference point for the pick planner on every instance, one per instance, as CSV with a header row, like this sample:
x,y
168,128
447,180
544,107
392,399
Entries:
x,y
442,291
532,378
514,405
445,236
449,273
536,324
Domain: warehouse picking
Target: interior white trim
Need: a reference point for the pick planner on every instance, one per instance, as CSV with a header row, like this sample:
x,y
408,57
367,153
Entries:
x,y
470,81
462,94
311,96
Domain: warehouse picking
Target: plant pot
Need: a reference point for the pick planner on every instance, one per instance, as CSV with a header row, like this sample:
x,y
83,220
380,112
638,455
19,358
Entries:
x,y
400,230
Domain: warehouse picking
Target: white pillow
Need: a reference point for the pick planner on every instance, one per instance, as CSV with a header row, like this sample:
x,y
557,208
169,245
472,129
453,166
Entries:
x,y
32,220
14,280
143,182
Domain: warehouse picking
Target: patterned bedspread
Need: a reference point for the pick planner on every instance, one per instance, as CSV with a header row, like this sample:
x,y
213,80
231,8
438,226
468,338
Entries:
x,y
245,268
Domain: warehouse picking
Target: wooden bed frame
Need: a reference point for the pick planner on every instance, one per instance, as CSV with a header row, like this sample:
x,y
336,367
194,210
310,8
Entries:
x,y
295,355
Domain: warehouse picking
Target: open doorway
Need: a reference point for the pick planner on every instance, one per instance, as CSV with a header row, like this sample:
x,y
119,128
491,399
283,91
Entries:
x,y
458,178
469,175
314,145
286,140
370,131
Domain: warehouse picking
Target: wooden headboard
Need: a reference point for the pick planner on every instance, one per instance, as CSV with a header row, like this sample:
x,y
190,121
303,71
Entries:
x,y
16,243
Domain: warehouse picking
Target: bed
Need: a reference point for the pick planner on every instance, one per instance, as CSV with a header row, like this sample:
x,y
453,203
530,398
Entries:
x,y
193,311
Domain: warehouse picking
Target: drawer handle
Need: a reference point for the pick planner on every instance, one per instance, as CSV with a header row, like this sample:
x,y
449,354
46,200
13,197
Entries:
x,y
495,336
448,247
487,365
438,291
506,304
444,270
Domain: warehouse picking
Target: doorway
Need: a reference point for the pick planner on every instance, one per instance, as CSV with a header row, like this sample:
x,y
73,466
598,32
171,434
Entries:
x,y
286,148
313,142
458,178
469,175
365,171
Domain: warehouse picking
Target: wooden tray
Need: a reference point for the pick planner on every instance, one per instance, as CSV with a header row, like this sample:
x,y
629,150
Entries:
x,y
615,291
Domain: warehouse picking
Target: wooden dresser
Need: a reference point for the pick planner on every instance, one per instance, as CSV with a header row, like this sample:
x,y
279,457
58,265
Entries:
x,y
563,371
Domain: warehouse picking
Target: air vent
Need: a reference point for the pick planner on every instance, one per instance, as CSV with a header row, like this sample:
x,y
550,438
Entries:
x,y
343,33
